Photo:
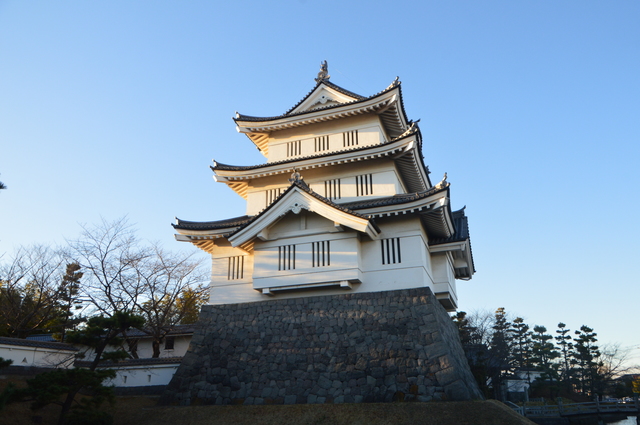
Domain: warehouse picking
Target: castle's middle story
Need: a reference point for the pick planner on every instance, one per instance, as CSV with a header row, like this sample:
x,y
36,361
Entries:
x,y
343,203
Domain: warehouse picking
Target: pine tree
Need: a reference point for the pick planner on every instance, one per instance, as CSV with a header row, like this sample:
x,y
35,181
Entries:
x,y
70,299
521,336
564,341
586,355
500,358
544,353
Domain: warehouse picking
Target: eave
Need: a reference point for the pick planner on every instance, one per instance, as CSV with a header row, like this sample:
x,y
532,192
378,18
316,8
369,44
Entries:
x,y
204,234
458,245
405,151
297,197
387,104
432,206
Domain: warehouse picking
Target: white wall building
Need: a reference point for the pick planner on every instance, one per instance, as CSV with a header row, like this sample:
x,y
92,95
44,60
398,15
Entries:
x,y
25,352
343,202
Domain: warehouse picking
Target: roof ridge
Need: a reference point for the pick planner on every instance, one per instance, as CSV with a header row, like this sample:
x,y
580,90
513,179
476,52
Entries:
x,y
243,117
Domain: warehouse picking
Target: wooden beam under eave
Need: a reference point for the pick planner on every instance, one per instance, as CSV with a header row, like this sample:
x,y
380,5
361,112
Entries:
x,y
261,140
206,245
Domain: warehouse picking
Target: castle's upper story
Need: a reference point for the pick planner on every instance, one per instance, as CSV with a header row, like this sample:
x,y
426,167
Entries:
x,y
332,127
328,119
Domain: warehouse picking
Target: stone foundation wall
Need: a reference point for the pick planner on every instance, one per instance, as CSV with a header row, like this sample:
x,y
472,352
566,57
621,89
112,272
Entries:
x,y
351,348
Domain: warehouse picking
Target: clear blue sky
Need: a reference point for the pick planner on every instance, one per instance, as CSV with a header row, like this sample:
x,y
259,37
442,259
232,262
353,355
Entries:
x,y
532,108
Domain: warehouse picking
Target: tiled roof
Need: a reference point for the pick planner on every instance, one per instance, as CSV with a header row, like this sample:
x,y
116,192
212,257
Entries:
x,y
133,362
349,207
241,117
462,229
226,167
303,186
461,223
211,225
42,337
37,344
175,330
328,84
393,200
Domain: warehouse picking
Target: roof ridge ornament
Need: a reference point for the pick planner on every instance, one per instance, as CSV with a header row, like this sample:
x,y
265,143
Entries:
x,y
296,177
323,75
443,183
395,83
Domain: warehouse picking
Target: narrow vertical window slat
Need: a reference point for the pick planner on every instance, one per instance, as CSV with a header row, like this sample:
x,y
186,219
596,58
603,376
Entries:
x,y
393,250
388,254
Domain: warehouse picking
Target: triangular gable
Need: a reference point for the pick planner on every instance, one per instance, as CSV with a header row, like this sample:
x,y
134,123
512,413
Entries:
x,y
323,95
295,199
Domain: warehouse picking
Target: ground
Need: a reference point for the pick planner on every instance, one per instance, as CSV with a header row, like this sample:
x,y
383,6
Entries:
x,y
143,410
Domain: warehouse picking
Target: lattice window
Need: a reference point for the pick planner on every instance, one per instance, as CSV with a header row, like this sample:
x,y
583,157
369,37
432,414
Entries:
x,y
294,148
390,249
321,254
321,143
236,268
287,257
364,185
332,189
272,194
350,138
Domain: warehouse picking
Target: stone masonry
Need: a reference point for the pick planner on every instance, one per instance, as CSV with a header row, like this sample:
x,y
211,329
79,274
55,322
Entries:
x,y
351,348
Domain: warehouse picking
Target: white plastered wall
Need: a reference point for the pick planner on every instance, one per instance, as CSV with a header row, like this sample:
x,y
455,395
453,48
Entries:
x,y
353,257
386,182
142,376
37,356
369,133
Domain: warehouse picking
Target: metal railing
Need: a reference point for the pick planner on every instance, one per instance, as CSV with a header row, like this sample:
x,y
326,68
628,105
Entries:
x,y
574,409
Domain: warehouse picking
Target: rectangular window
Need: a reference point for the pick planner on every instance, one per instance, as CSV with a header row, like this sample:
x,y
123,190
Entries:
x,y
272,194
350,138
390,249
293,148
364,185
169,342
236,268
321,143
320,254
287,257
332,189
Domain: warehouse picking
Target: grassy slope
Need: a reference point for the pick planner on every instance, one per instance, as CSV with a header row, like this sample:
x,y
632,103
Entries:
x,y
143,411
445,413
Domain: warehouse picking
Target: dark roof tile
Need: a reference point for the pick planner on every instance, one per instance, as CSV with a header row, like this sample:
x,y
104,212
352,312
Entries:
x,y
241,117
37,344
211,225
226,167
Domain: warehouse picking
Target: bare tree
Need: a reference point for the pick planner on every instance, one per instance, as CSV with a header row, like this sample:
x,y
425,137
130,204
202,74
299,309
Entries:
x,y
110,255
122,274
173,288
29,291
613,362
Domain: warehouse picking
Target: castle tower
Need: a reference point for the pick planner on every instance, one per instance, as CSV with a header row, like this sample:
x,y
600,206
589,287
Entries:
x,y
334,284
344,203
